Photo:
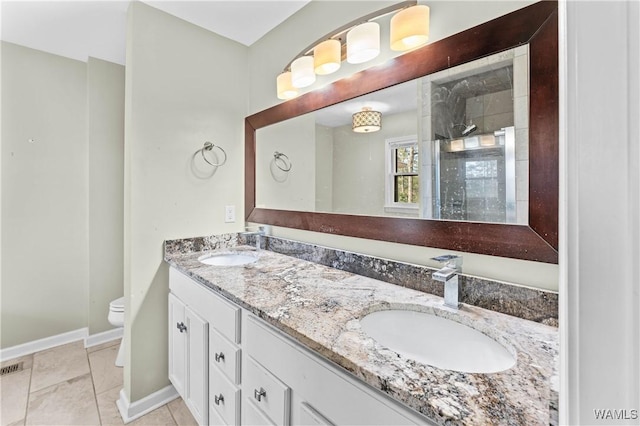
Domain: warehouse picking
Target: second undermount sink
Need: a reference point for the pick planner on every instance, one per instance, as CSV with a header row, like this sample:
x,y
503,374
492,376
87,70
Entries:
x,y
227,259
437,341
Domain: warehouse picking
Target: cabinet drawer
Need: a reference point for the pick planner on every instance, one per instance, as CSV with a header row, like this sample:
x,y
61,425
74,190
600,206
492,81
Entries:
x,y
215,309
224,355
252,415
224,397
310,416
215,419
267,392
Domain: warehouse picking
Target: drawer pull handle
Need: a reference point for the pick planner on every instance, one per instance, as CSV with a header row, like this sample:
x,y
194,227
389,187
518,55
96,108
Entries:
x,y
219,357
181,327
218,399
259,394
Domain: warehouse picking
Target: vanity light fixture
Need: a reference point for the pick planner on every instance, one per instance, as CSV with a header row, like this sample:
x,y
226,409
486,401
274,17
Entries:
x,y
356,42
363,43
302,72
285,86
410,28
327,57
366,121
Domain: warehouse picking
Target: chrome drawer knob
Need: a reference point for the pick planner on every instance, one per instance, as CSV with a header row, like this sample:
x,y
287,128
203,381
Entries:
x,y
219,357
259,394
218,399
180,326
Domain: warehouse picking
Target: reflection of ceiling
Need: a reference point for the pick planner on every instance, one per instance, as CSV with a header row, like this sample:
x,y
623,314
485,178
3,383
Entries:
x,y
392,100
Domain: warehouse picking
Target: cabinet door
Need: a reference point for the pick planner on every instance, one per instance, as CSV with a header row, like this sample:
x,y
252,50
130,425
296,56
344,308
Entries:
x,y
197,366
177,345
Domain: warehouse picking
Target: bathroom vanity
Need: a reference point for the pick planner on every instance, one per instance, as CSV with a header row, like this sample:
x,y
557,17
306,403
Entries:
x,y
278,340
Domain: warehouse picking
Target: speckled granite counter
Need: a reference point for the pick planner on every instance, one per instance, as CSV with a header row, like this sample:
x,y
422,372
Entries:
x,y
321,306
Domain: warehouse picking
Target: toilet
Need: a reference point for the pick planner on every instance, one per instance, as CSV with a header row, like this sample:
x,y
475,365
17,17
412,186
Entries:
x,y
116,318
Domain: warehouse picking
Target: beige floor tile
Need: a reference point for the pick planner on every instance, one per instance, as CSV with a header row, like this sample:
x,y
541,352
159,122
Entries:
x,y
109,414
58,365
71,402
104,371
103,346
158,417
181,413
14,394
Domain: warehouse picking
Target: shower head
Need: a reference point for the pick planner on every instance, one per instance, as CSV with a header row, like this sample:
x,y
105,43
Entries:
x,y
469,129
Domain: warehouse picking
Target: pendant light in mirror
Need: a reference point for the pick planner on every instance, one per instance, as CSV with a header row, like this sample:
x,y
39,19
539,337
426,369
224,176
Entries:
x,y
366,121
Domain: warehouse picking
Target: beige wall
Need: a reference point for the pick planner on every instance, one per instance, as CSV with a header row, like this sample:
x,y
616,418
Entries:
x,y
61,195
105,103
359,167
278,47
295,189
44,195
184,86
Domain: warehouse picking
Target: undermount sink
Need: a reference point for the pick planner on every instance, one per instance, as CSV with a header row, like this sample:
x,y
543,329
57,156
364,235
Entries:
x,y
227,259
437,341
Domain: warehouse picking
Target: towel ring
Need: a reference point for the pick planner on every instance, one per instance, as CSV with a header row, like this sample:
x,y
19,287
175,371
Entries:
x,y
208,146
280,161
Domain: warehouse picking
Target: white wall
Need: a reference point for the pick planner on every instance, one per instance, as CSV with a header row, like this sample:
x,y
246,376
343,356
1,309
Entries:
x,y
184,86
271,53
600,199
105,104
44,195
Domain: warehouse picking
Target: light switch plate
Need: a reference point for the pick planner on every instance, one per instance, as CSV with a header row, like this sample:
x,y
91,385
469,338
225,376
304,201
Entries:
x,y
229,214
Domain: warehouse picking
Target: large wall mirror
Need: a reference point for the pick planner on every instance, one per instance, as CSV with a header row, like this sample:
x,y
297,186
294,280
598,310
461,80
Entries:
x,y
465,159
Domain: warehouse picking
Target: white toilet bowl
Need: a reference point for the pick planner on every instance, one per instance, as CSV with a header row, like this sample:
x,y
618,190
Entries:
x,y
116,318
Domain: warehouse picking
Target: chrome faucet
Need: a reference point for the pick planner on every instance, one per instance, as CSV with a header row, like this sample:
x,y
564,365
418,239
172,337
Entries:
x,y
449,276
257,234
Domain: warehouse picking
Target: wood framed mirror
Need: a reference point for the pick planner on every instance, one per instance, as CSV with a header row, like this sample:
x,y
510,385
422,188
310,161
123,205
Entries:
x,y
535,25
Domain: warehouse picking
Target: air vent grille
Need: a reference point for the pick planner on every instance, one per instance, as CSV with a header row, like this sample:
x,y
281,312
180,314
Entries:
x,y
13,368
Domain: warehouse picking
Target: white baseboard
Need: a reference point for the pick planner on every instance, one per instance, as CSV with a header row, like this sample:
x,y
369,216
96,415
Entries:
x,y
42,344
104,337
130,411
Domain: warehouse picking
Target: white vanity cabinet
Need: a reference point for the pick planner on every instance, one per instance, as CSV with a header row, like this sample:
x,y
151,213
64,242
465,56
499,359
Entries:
x,y
188,357
268,378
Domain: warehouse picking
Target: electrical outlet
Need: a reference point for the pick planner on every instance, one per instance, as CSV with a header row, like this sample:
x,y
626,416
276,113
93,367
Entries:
x,y
229,214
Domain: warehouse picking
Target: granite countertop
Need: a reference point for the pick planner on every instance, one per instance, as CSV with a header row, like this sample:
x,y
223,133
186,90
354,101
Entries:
x,y
320,307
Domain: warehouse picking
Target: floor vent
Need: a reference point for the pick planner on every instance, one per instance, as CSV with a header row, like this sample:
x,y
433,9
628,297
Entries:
x,y
13,368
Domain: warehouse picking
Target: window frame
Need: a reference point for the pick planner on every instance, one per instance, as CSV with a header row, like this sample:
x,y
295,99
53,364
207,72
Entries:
x,y
390,205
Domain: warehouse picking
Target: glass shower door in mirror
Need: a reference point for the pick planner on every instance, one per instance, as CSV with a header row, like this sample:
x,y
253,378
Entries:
x,y
475,178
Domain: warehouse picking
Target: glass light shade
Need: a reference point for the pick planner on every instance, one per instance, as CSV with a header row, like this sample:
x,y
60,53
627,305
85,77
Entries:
x,y
457,145
487,140
327,57
366,121
410,28
285,88
302,73
363,43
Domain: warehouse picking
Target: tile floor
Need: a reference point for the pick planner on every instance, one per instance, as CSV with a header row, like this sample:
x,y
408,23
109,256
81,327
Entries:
x,y
71,385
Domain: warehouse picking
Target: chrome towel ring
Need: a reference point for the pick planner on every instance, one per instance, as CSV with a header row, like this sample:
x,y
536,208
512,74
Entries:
x,y
208,146
282,161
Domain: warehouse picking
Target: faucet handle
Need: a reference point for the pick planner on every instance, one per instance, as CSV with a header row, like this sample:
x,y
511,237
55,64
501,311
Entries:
x,y
450,260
